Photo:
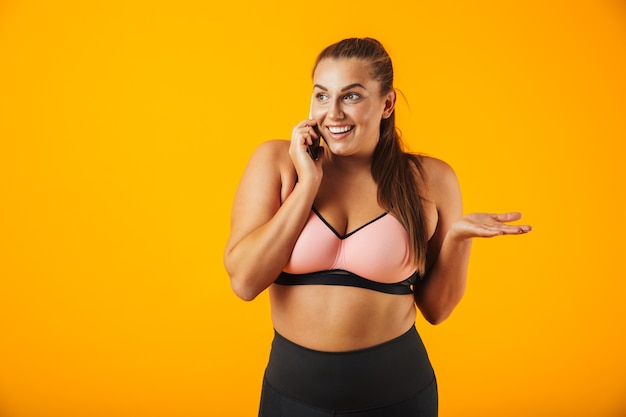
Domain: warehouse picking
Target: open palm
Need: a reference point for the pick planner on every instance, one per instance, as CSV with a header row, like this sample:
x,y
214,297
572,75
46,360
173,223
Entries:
x,y
489,225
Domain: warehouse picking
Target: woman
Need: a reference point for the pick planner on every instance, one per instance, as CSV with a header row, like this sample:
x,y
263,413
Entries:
x,y
349,244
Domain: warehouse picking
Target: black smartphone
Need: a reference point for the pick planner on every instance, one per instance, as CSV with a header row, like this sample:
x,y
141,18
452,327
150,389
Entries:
x,y
313,149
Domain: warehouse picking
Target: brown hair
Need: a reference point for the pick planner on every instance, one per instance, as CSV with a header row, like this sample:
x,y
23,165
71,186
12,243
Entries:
x,y
393,169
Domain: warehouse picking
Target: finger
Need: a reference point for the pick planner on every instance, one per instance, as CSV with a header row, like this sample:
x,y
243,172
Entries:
x,y
311,134
302,135
515,230
305,138
507,217
308,123
490,230
518,230
305,124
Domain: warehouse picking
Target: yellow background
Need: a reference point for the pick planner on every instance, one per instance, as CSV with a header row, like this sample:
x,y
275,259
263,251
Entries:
x,y
124,129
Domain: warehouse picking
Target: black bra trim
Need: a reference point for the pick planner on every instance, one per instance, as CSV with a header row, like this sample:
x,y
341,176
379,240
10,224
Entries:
x,y
340,236
348,279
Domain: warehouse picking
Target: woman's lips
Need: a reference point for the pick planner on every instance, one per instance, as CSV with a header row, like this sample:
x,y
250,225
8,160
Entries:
x,y
339,131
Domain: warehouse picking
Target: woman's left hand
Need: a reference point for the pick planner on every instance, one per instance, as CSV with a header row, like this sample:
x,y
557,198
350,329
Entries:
x,y
488,225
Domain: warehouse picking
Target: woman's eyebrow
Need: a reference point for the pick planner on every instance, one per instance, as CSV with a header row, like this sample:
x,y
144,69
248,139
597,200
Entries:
x,y
348,87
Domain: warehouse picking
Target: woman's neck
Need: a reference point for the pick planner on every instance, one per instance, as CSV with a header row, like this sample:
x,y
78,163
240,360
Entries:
x,y
350,164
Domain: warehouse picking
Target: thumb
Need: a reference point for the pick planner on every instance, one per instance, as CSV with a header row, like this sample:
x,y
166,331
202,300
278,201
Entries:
x,y
507,217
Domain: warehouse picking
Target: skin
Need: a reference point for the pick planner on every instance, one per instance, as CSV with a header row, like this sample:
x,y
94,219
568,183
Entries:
x,y
269,212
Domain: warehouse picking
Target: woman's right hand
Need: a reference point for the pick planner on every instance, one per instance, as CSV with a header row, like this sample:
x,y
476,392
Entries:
x,y
270,209
302,136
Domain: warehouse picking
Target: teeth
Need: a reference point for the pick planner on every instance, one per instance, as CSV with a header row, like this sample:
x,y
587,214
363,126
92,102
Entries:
x,y
343,129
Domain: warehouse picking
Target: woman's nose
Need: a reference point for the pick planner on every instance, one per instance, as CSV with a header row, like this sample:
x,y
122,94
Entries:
x,y
335,111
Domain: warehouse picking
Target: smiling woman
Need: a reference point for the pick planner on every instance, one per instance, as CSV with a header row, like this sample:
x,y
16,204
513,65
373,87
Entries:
x,y
348,244
125,127
348,113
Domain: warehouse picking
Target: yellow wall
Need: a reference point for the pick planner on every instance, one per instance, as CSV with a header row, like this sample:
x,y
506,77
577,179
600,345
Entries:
x,y
124,128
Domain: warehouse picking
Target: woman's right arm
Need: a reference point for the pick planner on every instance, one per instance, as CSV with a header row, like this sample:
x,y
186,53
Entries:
x,y
264,231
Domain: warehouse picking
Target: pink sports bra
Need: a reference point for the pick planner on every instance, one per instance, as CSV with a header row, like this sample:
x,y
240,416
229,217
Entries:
x,y
374,256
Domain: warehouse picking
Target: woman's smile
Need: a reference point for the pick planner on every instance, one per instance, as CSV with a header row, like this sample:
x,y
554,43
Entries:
x,y
339,132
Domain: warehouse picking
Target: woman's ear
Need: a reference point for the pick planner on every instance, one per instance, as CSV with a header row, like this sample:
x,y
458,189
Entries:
x,y
390,104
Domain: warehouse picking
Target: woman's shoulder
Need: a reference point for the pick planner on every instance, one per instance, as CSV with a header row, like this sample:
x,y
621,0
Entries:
x,y
272,153
434,166
271,159
434,169
274,148
436,174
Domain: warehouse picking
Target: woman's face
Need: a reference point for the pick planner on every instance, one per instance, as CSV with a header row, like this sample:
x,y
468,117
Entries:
x,y
348,106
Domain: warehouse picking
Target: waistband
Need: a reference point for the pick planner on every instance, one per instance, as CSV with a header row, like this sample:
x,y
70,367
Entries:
x,y
369,377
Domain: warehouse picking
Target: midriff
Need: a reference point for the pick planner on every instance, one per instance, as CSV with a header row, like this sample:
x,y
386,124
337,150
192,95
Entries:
x,y
337,318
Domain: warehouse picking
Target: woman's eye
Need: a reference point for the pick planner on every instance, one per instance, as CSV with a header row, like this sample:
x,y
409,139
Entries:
x,y
322,97
352,96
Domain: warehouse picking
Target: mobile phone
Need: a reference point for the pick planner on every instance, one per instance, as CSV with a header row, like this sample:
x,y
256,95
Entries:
x,y
313,149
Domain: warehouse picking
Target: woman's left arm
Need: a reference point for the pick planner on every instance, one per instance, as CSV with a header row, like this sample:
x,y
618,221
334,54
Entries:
x,y
448,253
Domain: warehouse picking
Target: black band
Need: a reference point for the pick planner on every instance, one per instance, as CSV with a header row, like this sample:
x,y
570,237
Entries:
x,y
348,279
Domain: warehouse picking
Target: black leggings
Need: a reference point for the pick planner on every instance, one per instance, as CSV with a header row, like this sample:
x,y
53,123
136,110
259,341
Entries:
x,y
392,379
